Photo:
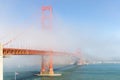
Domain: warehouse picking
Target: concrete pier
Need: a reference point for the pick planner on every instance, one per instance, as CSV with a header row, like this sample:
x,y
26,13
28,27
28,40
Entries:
x,y
47,75
1,62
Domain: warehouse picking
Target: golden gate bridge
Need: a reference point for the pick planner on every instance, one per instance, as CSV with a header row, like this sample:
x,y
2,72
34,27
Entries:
x,y
20,51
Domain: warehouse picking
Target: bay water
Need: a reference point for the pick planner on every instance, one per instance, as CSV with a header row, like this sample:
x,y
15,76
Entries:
x,y
71,72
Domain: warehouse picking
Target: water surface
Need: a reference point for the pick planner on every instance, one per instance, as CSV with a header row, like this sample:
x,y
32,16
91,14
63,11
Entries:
x,y
87,72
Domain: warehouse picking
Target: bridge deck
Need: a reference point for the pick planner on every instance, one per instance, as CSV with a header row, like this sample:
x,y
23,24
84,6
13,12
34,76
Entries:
x,y
14,51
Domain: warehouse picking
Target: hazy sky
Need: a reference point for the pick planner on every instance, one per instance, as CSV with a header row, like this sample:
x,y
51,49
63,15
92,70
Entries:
x,y
89,25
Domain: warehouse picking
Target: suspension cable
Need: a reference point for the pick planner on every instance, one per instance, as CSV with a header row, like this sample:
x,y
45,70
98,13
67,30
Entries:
x,y
18,35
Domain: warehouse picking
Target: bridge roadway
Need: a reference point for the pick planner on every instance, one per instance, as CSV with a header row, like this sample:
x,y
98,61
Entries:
x,y
15,51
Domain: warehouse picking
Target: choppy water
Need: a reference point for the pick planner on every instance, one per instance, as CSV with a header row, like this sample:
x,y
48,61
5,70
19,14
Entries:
x,y
88,72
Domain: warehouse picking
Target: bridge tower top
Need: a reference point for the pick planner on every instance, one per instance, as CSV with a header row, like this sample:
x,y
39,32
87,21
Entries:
x,y
46,19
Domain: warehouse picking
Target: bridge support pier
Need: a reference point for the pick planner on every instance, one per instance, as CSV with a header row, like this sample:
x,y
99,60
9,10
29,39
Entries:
x,y
50,71
43,70
1,62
